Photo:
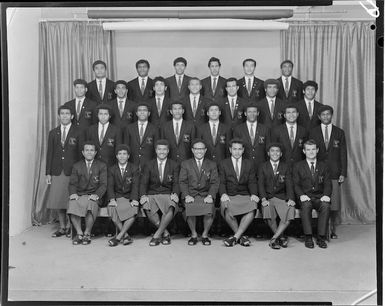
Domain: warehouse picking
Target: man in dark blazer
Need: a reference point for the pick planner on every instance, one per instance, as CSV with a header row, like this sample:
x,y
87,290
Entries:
x,y
82,107
232,105
105,135
290,88
177,85
213,87
313,186
199,183
332,150
123,109
160,104
102,89
270,107
122,195
290,135
159,190
179,133
276,190
141,88
195,104
238,193
215,134
308,107
88,184
141,137
255,136
250,87
62,152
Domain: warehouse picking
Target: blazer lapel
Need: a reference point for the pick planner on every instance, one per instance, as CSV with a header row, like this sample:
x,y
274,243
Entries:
x,y
246,132
137,132
69,134
181,131
195,166
331,138
146,131
106,134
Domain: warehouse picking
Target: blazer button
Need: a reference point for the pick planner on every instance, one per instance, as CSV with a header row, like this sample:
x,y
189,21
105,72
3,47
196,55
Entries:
x,y
199,185
177,155
140,155
62,158
313,188
253,157
213,156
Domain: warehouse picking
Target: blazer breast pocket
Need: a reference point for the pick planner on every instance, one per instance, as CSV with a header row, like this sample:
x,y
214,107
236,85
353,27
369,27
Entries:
x,y
336,143
149,140
222,139
88,114
128,180
320,179
281,178
72,141
186,138
95,178
110,142
261,139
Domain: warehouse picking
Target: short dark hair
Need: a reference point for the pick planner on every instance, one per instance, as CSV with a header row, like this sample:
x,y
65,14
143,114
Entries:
x,y
198,140
177,102
310,83
290,106
142,61
122,147
251,105
159,79
104,106
89,143
249,60
271,81
236,140
65,107
310,142
162,142
287,62
214,59
232,79
97,63
325,108
139,104
180,60
194,78
213,104
274,145
123,82
80,82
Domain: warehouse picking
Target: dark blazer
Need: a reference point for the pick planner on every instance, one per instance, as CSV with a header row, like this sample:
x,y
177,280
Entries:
x,y
195,183
279,185
304,118
257,152
62,158
305,184
173,90
257,90
182,150
134,92
200,115
290,154
141,152
264,113
82,184
238,116
207,90
165,115
129,113
247,184
150,181
295,91
93,92
87,116
106,150
336,155
123,187
220,150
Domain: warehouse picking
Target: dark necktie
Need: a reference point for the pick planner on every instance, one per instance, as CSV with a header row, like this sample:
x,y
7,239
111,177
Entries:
x,y
249,86
232,107
63,136
214,85
287,87
214,134
177,132
122,171
161,171
309,109
194,105
272,109
237,169
100,90
312,169
180,83
78,109
292,136
142,87
326,137
88,168
252,136
275,168
101,135
121,107
199,166
141,132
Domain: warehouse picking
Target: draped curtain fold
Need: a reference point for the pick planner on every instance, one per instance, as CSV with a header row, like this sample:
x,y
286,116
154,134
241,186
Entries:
x,y
66,52
340,57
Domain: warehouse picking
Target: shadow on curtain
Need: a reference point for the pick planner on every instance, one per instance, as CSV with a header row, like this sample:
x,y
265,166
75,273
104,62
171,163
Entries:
x,y
340,57
67,51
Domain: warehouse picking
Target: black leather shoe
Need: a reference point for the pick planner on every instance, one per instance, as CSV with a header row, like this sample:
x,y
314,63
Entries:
x,y
309,243
283,242
333,236
274,244
322,243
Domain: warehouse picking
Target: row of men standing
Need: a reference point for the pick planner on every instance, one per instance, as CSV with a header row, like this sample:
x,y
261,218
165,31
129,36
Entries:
x,y
215,119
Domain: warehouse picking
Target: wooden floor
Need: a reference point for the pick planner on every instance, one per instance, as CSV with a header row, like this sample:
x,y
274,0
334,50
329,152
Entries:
x,y
45,268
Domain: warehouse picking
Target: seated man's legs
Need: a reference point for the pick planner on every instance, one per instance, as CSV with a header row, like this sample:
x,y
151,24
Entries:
x,y
161,222
323,209
90,220
306,218
231,221
207,222
125,226
76,221
191,221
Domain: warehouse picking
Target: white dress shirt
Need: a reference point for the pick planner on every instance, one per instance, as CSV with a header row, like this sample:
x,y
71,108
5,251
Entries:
x,y
174,121
273,163
309,164
177,78
100,127
192,100
211,123
254,127
161,98
104,81
212,80
311,103
284,81
234,161
163,165
329,130
144,125
68,126
121,99
81,103
140,81
288,126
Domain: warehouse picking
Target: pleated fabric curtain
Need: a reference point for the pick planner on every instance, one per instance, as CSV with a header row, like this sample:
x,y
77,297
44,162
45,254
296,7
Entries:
x,y
67,51
340,57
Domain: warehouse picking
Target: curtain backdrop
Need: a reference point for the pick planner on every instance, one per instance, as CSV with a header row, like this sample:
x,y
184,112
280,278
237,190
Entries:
x,y
67,51
340,57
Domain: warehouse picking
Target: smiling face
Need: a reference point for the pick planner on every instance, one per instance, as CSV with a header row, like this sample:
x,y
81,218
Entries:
x,y
310,151
142,70
199,150
274,153
177,111
237,150
89,152
65,116
179,68
103,116
142,113
287,69
121,91
213,112
309,92
161,151
122,157
194,86
271,90
232,88
100,71
291,115
326,117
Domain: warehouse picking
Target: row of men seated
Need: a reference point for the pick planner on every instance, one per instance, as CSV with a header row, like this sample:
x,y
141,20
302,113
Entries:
x,y
141,88
63,146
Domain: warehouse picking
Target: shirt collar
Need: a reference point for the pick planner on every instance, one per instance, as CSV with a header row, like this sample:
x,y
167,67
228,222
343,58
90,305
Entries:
x,y
231,98
68,126
164,161
200,160
324,125
105,125
144,123
284,79
159,97
307,101
309,163
121,99
269,99
102,79
249,123
291,125
178,75
234,160
214,77
175,121
89,161
124,166
249,77
140,79
272,163
80,99
192,96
